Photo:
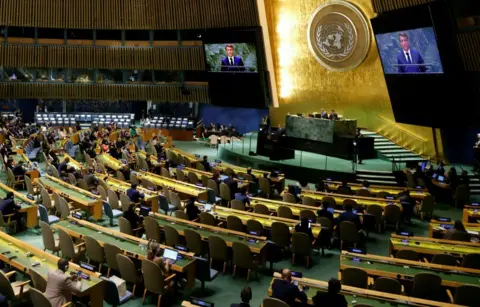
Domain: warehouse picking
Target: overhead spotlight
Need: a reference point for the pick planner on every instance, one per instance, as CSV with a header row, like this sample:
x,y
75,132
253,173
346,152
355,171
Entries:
x,y
199,35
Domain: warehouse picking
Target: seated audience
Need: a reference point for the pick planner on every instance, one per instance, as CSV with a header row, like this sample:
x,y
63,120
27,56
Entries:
x,y
18,169
332,297
346,187
192,210
63,167
242,195
321,186
249,171
457,227
60,285
333,115
134,219
305,227
325,213
154,255
408,205
245,296
349,216
134,195
285,290
232,184
206,164
366,185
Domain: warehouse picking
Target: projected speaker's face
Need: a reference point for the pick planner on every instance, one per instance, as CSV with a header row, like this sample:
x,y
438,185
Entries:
x,y
404,42
230,51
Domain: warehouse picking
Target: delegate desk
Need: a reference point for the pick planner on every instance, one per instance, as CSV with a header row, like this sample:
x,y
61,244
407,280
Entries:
x,y
221,167
438,229
131,246
405,270
175,185
73,163
81,199
430,246
151,197
93,287
471,215
416,193
222,213
109,162
192,157
273,205
361,201
255,243
357,296
28,205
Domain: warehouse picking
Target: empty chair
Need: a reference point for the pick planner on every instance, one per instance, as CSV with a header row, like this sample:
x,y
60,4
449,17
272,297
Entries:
x,y
112,295
344,190
218,250
350,202
113,199
128,271
38,298
48,238
69,251
308,214
207,219
348,233
426,206
407,254
261,209
264,186
180,175
192,178
44,217
204,180
95,251
120,176
154,280
471,261
194,242
211,184
149,185
237,205
363,193
328,201
388,285
126,227
273,302
301,246
427,286
111,252
285,212
39,282
392,215
164,205
14,291
200,167
234,223
383,194
82,184
165,172
465,295
289,198
280,234
46,200
225,192
111,213
354,277
175,201
255,226
125,201
152,229
308,201
444,259
134,179
101,191
30,189
243,258
204,272
172,237
377,212
64,209
460,236
181,215
462,195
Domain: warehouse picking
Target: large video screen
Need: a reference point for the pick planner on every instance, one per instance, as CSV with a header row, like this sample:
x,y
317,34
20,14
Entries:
x,y
410,52
231,57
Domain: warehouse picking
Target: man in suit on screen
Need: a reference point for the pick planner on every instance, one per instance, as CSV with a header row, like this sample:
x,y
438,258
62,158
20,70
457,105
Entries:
x,y
409,56
232,62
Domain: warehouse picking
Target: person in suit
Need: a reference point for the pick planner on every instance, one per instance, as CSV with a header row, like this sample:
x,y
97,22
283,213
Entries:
x,y
245,296
285,290
63,167
408,205
18,169
61,286
349,216
249,171
8,205
332,297
232,62
409,56
134,195
206,164
232,184
333,115
134,219
242,196
192,210
304,227
325,213
324,114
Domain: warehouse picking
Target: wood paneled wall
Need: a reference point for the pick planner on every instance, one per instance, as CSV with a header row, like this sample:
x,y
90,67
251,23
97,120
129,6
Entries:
x,y
381,6
112,92
129,14
469,46
102,57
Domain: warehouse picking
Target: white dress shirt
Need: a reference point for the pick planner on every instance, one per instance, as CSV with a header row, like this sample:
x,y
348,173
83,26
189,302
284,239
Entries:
x,y
231,61
406,57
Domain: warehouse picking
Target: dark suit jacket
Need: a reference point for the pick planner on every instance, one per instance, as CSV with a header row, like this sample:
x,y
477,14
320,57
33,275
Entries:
x,y
287,292
134,195
350,217
327,214
8,206
62,166
327,300
416,58
237,64
206,165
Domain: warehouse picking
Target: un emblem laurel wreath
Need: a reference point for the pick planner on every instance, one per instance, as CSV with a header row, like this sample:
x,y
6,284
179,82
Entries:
x,y
348,49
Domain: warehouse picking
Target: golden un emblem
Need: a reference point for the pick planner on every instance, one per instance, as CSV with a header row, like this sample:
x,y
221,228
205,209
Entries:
x,y
338,36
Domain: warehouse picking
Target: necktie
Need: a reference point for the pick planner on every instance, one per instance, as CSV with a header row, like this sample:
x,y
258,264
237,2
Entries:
x,y
231,62
408,58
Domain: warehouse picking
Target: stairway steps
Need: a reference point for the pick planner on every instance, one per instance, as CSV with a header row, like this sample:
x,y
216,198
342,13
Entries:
x,y
474,191
395,151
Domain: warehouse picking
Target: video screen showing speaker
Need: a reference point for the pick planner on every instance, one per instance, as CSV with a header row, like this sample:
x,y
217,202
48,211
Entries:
x,y
231,57
412,51
235,62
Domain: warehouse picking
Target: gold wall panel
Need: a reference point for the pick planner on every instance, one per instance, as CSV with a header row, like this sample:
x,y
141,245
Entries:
x,y
110,92
391,5
304,86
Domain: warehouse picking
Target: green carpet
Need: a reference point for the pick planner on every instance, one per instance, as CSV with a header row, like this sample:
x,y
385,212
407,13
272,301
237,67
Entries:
x,y
226,290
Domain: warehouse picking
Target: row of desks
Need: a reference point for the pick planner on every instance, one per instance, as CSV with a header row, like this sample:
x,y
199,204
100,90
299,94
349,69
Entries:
x,y
439,228
418,193
93,287
432,246
28,205
357,296
130,246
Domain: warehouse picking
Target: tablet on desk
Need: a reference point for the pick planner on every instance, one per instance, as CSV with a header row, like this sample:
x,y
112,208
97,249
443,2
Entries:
x,y
170,254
